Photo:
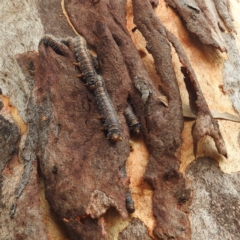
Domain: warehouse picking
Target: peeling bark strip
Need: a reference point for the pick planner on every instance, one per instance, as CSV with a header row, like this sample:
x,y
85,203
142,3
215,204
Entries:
x,y
200,20
205,123
171,195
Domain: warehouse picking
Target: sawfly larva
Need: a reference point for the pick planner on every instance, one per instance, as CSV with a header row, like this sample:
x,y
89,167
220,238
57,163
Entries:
x,y
111,122
132,120
85,62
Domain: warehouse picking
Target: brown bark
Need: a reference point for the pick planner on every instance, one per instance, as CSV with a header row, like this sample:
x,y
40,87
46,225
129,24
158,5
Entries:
x,y
83,173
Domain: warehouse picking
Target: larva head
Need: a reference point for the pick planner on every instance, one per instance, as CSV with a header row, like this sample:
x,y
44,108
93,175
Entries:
x,y
114,136
129,202
91,87
137,130
130,207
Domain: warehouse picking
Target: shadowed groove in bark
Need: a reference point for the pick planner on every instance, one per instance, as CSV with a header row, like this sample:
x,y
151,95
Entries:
x,y
205,123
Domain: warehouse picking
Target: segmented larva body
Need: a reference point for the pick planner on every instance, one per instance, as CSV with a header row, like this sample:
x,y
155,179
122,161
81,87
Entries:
x,y
52,42
132,120
111,123
129,202
85,61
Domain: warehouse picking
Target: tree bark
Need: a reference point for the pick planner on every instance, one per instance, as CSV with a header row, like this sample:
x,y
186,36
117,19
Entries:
x,y
62,179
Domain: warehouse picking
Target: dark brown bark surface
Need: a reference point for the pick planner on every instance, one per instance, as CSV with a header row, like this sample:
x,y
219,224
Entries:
x,y
73,155
64,145
107,32
81,183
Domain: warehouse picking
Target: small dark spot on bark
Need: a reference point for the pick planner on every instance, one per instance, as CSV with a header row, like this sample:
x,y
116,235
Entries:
x,y
134,29
183,195
142,53
221,87
221,27
12,210
170,175
54,170
154,3
100,27
148,47
31,67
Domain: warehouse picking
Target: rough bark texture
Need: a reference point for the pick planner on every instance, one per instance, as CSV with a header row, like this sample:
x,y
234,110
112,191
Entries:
x,y
136,230
200,19
66,178
217,197
163,125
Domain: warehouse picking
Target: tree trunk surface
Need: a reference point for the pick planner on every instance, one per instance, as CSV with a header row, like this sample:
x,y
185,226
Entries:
x,y
176,64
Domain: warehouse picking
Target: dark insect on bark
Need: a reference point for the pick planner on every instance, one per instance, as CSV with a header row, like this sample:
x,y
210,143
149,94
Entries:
x,y
129,201
85,62
111,123
132,120
52,42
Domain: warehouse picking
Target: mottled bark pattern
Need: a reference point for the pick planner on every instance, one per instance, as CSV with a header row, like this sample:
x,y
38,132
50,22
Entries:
x,y
9,136
215,202
136,230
